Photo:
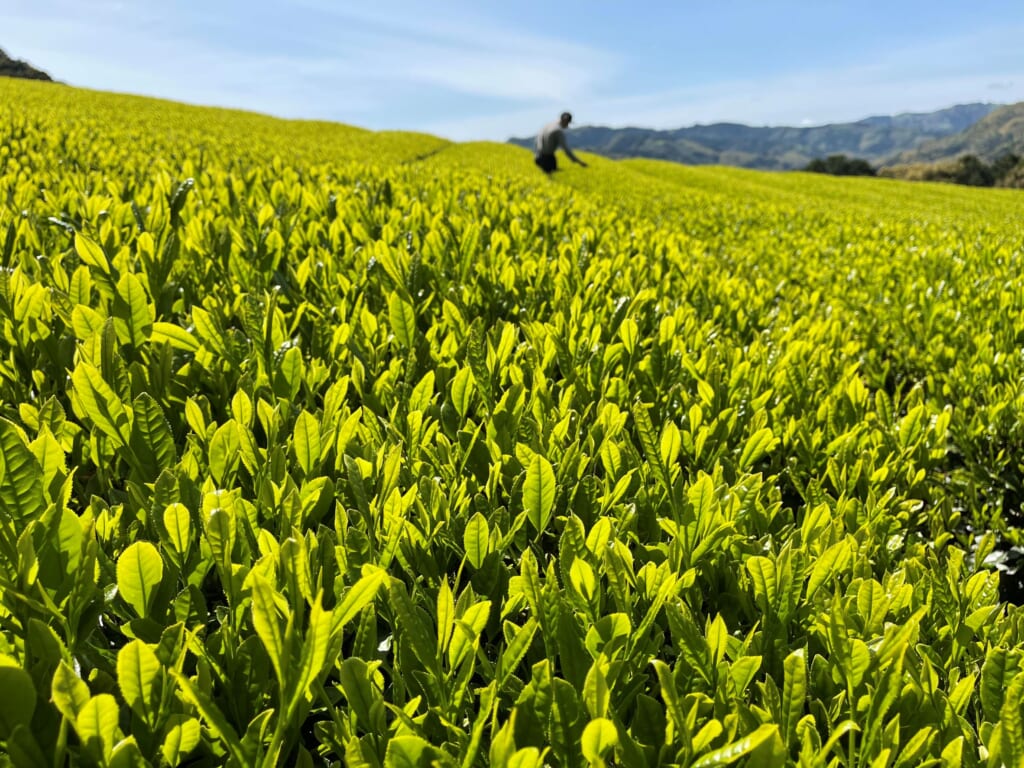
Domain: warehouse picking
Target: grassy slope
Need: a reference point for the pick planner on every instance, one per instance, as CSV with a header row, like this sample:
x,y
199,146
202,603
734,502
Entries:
x,y
849,317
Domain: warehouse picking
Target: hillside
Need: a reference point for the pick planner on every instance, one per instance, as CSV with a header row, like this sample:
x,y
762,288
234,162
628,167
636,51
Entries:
x,y
16,68
999,132
322,447
875,139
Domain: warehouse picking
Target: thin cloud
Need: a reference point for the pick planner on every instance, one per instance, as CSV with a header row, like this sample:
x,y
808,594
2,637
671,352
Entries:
x,y
382,67
467,53
460,73
911,80
812,98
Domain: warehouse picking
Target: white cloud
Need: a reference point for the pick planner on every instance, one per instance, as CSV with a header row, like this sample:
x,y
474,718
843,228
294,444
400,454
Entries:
x,y
924,78
456,71
460,51
363,65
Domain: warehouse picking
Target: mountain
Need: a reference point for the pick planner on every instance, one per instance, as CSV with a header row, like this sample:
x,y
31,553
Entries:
x,y
14,68
997,133
875,139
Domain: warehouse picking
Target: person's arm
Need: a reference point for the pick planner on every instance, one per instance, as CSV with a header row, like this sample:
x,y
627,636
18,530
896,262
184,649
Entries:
x,y
568,152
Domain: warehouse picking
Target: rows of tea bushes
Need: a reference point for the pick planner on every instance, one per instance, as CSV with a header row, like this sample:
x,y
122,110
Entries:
x,y
326,447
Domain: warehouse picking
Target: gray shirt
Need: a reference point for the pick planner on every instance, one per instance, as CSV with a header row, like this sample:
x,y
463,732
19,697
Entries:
x,y
550,138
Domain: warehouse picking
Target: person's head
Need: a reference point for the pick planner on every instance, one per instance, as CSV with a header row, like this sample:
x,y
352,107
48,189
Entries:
x,y
565,119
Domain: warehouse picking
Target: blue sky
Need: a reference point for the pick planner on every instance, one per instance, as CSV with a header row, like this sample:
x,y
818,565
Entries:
x,y
481,70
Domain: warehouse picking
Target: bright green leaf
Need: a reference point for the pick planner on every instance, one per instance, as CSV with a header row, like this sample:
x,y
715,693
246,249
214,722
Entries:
x,y
183,735
539,492
68,691
138,676
306,442
97,725
90,253
403,319
133,314
733,751
140,570
599,737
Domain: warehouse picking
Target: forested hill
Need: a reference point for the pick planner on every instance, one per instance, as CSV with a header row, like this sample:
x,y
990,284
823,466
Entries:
x,y
875,139
998,133
15,68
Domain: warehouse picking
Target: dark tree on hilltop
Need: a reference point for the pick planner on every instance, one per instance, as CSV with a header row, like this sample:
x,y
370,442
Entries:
x,y
1003,164
14,68
841,165
1014,177
970,170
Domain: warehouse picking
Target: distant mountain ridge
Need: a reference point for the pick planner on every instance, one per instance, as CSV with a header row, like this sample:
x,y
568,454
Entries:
x,y
997,133
16,68
878,139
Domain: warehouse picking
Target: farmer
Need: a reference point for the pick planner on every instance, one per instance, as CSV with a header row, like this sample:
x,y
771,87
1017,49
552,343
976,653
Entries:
x,y
550,138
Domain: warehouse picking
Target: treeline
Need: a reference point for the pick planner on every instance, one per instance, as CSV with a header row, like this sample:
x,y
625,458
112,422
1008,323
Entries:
x,y
1007,170
840,165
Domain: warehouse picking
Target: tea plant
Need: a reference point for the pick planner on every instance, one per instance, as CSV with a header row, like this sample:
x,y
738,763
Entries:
x,y
325,447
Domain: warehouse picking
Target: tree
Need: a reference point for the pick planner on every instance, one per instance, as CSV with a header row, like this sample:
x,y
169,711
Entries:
x,y
841,165
1004,164
970,170
1014,177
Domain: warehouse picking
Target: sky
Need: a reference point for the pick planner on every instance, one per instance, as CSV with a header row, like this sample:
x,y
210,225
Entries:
x,y
488,70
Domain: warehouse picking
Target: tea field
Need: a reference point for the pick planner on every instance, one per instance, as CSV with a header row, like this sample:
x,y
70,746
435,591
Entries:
x,y
321,446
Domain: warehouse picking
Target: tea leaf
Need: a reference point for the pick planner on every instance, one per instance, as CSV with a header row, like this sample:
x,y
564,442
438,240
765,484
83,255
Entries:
x,y
998,671
151,440
539,492
462,390
361,594
306,442
794,693
1012,720
409,751
757,445
133,315
267,623
183,736
24,750
97,725
21,491
830,564
733,751
360,693
403,319
175,335
140,569
476,540
762,573
68,692
514,653
101,405
178,524
138,671
596,694
670,443
645,431
18,702
90,253
599,737
214,718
